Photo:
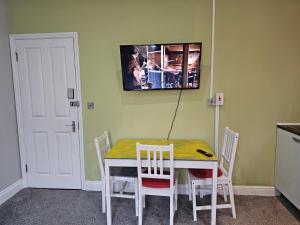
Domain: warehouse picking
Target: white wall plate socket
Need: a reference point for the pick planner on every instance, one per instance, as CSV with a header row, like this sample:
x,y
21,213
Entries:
x,y
219,98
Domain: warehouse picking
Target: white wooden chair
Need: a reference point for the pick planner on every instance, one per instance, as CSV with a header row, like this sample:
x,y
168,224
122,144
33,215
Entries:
x,y
155,178
124,175
202,177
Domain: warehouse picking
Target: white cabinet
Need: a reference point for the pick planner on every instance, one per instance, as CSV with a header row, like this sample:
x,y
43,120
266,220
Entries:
x,y
287,168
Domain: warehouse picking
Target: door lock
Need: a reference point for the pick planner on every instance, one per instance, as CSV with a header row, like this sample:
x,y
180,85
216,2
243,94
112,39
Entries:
x,y
73,125
75,104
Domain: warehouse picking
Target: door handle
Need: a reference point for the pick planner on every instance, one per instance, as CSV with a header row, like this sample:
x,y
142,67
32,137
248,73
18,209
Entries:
x,y
296,140
73,125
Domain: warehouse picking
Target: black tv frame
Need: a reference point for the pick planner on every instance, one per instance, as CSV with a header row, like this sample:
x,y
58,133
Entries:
x,y
124,65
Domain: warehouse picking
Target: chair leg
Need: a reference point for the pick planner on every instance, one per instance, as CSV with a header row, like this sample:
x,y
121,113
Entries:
x,y
140,207
189,187
176,193
224,192
136,196
172,209
176,200
112,184
103,197
232,200
194,201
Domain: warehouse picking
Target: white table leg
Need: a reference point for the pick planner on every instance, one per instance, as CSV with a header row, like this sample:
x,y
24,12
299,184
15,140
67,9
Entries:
x,y
107,191
214,195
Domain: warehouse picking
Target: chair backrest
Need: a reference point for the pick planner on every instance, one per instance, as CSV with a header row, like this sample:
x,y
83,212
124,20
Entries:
x,y
154,165
102,144
230,141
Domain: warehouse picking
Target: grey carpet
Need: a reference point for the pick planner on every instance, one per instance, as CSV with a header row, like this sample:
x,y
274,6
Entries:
x,y
64,207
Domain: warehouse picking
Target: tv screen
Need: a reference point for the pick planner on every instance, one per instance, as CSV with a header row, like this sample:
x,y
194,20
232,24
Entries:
x,y
161,66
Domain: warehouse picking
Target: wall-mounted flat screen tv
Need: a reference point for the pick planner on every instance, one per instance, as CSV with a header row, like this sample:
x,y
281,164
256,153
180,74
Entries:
x,y
161,66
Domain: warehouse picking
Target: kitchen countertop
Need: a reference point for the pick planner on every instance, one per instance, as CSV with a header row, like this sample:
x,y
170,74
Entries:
x,y
291,128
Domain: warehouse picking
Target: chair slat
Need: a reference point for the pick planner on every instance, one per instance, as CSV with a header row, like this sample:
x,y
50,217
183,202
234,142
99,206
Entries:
x,y
155,166
161,162
154,162
230,147
227,146
149,161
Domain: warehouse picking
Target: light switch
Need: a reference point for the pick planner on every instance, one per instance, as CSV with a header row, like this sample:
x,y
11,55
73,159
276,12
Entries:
x,y
90,105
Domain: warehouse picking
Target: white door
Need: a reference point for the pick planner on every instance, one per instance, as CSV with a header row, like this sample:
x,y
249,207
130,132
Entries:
x,y
47,77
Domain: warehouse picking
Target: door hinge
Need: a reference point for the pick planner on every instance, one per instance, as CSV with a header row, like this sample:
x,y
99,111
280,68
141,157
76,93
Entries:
x,y
26,168
17,56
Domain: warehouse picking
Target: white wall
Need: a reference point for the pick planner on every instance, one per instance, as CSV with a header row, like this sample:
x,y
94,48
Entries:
x,y
10,170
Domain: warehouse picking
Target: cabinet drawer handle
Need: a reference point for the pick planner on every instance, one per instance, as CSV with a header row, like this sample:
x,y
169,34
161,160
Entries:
x,y
296,139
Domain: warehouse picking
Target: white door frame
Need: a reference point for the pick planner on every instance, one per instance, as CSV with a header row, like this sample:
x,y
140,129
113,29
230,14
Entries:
x,y
13,38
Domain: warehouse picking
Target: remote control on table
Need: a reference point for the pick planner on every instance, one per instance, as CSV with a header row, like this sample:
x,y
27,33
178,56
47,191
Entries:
x,y
204,153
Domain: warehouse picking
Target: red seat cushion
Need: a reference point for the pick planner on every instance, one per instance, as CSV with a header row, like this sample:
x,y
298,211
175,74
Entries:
x,y
155,183
204,173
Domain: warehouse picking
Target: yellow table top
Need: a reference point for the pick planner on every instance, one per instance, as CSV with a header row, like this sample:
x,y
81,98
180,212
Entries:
x,y
183,149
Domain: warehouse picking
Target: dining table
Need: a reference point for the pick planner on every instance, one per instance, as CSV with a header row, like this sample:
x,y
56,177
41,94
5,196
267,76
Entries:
x,y
186,156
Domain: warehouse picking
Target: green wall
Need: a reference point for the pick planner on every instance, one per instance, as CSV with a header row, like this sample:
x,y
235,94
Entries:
x,y
257,66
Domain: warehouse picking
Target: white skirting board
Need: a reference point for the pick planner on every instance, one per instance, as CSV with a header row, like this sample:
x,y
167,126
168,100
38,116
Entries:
x,y
182,189
14,188
10,191
255,190
240,190
92,186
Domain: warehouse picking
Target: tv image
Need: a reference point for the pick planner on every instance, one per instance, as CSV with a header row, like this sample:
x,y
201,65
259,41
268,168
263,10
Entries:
x,y
161,66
